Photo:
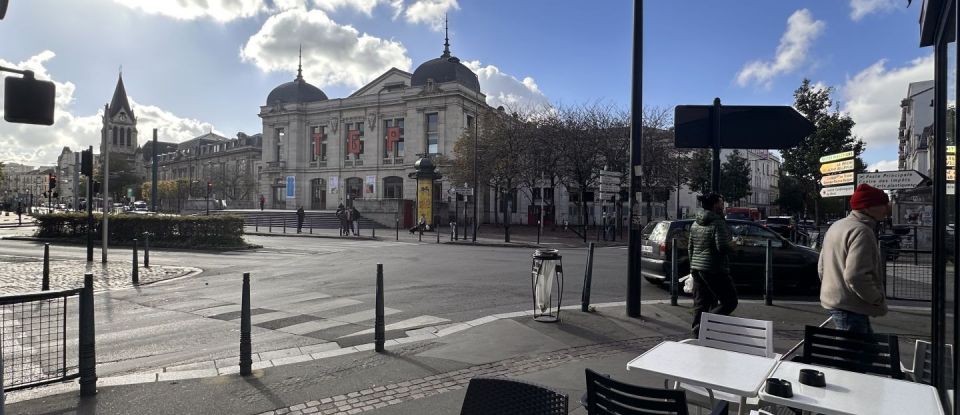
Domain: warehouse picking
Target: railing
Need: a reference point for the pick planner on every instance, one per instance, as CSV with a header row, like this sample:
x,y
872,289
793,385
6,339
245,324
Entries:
x,y
908,274
317,164
34,334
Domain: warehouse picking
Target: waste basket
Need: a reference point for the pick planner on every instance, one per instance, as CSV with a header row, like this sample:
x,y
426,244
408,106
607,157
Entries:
x,y
547,285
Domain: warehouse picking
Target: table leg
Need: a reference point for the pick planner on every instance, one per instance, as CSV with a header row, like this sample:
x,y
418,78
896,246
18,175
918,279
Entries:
x,y
743,404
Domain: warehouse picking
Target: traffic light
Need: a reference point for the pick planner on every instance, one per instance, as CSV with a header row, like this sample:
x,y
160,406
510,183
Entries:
x,y
209,186
86,163
52,178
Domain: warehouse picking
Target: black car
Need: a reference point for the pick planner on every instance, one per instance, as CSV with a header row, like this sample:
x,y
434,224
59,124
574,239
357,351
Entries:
x,y
794,266
784,225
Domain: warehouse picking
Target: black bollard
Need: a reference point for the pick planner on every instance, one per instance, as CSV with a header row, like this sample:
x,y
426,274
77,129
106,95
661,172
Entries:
x,y
378,328
587,280
256,224
270,225
45,285
420,237
436,227
136,265
373,231
311,226
87,365
674,272
146,250
397,220
768,275
245,349
284,219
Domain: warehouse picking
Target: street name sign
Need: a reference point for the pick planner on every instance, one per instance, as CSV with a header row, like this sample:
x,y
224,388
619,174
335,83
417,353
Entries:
x,y
891,180
835,179
951,149
837,191
837,156
837,167
951,160
741,126
951,175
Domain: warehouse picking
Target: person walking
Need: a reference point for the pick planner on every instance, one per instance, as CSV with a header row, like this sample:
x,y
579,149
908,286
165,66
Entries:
x,y
355,221
342,217
709,249
262,201
851,286
19,214
300,216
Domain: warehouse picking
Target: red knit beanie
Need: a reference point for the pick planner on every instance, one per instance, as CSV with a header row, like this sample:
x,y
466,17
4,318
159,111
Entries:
x,y
867,196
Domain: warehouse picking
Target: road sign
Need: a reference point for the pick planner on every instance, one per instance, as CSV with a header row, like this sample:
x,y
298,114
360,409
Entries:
x,y
606,188
951,160
836,179
465,191
891,180
836,167
609,173
741,126
951,149
951,174
837,156
609,180
837,191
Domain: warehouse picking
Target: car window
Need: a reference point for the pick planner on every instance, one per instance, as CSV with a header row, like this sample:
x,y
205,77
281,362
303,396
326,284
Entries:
x,y
778,221
755,236
659,231
738,216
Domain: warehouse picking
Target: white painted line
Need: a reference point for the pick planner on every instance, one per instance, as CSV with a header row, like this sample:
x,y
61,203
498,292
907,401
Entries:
x,y
405,324
266,317
326,305
212,311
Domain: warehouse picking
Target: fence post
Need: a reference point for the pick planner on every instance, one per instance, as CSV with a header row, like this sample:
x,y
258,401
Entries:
x,y
245,350
146,249
883,270
674,271
587,281
379,326
768,274
915,248
45,285
88,340
136,265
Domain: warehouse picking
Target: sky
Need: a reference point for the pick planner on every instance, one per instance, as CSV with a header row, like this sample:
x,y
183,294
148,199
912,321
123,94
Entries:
x,y
195,66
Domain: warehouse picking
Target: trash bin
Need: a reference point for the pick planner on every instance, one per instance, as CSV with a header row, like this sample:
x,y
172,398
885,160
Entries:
x,y
547,285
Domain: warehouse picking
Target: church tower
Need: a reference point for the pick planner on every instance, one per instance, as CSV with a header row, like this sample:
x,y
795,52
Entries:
x,y
119,123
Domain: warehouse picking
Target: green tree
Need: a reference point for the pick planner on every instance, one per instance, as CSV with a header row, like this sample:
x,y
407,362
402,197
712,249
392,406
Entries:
x,y
833,134
698,171
735,177
791,198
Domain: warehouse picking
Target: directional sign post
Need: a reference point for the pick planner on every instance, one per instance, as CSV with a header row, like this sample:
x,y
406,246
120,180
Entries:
x,y
738,126
841,163
836,191
892,180
842,178
836,167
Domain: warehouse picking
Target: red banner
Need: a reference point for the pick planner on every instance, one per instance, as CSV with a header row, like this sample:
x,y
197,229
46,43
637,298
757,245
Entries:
x,y
353,142
393,135
317,139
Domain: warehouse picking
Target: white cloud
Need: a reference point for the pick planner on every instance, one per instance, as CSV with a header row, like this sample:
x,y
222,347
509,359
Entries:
x,y
884,165
872,98
333,54
218,10
861,8
792,51
505,89
363,6
430,12
35,144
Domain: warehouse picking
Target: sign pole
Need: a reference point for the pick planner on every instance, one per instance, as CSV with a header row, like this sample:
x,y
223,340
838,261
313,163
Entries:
x,y
715,142
636,140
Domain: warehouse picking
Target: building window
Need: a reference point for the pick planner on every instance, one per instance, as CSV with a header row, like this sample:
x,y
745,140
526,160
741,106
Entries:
x,y
129,137
393,187
393,146
318,143
115,132
354,188
469,122
281,134
354,132
433,136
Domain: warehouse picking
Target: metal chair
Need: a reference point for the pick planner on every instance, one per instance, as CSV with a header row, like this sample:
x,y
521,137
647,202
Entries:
x,y
877,354
607,396
490,395
920,371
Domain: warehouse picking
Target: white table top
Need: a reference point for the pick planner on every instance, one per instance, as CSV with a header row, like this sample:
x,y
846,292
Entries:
x,y
721,370
854,393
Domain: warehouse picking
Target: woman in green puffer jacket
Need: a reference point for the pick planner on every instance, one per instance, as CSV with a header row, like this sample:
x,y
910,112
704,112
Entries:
x,y
709,250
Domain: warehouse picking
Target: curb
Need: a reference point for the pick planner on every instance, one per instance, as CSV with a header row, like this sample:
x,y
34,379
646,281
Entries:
x,y
97,242
307,235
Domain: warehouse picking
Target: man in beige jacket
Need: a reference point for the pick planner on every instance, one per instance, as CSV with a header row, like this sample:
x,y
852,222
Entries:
x,y
851,278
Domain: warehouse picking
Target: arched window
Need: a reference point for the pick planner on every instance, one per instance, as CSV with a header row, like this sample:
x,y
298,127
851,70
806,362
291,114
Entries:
x,y
393,187
115,132
129,137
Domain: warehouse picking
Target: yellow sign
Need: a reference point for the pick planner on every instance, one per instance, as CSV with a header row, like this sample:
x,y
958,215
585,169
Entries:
x,y
951,175
951,149
425,200
835,157
837,167
951,160
841,178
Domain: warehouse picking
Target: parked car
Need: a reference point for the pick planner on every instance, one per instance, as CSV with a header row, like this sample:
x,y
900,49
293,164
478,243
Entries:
x,y
743,213
140,207
783,225
794,266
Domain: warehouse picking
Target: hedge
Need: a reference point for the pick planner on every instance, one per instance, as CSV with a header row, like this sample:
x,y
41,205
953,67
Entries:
x,y
165,230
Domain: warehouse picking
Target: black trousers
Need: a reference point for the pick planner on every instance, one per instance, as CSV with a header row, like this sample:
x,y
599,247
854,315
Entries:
x,y
713,292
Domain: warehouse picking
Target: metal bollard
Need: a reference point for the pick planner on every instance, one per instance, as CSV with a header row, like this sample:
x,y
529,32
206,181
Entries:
x,y
136,265
87,340
311,226
45,285
284,219
270,225
373,231
397,220
146,250
436,227
420,237
587,281
768,275
674,272
256,226
245,349
378,328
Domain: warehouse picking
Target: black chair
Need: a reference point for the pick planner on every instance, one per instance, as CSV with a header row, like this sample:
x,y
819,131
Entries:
x,y
489,395
607,396
877,354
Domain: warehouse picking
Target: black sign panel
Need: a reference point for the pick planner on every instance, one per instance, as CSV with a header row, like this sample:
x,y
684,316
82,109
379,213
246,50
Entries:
x,y
741,126
28,101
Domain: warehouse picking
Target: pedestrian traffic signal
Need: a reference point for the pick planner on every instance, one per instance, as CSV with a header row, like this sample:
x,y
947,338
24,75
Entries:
x,y
86,163
53,180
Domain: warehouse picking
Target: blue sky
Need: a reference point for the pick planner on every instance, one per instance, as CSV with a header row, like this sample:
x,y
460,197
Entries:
x,y
192,66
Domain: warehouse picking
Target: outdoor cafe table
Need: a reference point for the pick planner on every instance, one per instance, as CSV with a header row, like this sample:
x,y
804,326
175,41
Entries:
x,y
736,373
854,393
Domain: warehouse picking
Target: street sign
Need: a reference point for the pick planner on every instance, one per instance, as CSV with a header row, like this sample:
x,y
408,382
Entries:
x,y
836,167
605,188
609,180
741,126
891,180
951,175
845,190
951,149
951,160
837,156
836,179
465,191
609,173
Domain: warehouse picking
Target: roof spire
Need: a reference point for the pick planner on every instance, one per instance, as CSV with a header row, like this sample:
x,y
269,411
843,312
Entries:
x,y
446,37
300,64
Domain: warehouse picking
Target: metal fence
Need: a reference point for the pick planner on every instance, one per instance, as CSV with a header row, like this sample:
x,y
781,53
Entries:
x,y
908,274
33,331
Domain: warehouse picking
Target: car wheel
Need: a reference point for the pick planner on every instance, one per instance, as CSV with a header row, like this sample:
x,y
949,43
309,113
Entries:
x,y
654,281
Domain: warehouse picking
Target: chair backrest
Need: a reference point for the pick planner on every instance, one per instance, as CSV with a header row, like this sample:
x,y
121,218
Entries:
x,y
737,334
878,354
922,359
490,395
608,396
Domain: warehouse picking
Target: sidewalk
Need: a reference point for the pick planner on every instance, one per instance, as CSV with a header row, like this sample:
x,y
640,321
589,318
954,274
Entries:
x,y
11,219
430,376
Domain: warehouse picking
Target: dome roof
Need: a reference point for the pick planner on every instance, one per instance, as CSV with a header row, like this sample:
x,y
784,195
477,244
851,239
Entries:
x,y
295,91
444,69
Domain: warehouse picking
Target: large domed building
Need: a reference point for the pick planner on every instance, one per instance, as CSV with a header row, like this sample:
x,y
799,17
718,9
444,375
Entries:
x,y
319,152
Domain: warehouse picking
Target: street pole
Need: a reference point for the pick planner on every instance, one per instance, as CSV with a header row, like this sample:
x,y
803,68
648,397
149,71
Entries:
x,y
76,181
106,198
636,139
715,142
476,179
153,183
90,211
